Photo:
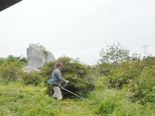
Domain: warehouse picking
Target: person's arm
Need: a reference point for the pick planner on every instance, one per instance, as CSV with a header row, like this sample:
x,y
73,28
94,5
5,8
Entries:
x,y
60,76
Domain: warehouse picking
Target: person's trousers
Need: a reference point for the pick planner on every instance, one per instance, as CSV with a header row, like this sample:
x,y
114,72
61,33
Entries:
x,y
57,93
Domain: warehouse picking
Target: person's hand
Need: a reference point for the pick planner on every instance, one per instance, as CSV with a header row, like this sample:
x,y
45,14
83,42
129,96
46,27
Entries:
x,y
59,85
67,81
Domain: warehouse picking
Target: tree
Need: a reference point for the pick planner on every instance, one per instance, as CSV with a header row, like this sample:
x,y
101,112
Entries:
x,y
12,58
114,54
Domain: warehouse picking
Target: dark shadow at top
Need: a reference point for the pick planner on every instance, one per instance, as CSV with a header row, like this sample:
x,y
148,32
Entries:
x,y
7,3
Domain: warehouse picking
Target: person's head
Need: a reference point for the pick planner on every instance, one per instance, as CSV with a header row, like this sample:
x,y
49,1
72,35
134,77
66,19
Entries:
x,y
59,65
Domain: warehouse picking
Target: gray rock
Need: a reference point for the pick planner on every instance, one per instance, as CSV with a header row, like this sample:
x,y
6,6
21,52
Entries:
x,y
49,57
37,56
30,69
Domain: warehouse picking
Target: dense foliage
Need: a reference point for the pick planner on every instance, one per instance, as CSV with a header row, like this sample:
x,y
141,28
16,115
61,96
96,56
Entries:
x,y
114,54
78,74
118,85
33,78
137,75
11,67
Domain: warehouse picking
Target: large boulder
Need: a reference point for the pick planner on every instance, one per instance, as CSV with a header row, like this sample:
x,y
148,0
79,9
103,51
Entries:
x,y
29,69
49,56
37,56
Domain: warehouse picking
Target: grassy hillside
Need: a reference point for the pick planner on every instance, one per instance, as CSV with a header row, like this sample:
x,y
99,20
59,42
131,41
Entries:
x,y
16,99
125,89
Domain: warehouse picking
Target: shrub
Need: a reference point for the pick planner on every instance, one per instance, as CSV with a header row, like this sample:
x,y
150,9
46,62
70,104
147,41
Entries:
x,y
125,74
31,78
75,72
143,88
136,76
104,68
20,59
10,70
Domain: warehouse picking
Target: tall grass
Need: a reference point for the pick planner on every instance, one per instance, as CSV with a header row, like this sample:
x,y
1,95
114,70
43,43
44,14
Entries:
x,y
16,99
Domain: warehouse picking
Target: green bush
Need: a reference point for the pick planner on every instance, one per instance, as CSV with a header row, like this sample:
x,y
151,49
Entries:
x,y
33,78
75,72
137,76
20,59
11,67
125,74
10,70
104,68
143,88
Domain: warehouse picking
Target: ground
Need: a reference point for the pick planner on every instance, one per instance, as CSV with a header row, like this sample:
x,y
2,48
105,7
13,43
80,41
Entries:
x,y
17,99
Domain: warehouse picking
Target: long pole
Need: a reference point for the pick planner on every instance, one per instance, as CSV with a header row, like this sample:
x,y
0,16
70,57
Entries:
x,y
72,93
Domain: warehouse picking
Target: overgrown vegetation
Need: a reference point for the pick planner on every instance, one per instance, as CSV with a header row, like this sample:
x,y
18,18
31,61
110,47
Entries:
x,y
80,79
33,78
19,100
118,85
135,74
11,67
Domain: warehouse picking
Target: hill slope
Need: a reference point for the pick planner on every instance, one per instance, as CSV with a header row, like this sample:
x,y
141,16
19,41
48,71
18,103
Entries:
x,y
17,99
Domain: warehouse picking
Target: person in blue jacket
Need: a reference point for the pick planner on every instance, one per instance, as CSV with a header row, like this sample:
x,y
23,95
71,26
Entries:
x,y
57,81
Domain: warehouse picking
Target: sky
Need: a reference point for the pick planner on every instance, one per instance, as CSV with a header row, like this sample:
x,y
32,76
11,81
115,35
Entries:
x,y
78,28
